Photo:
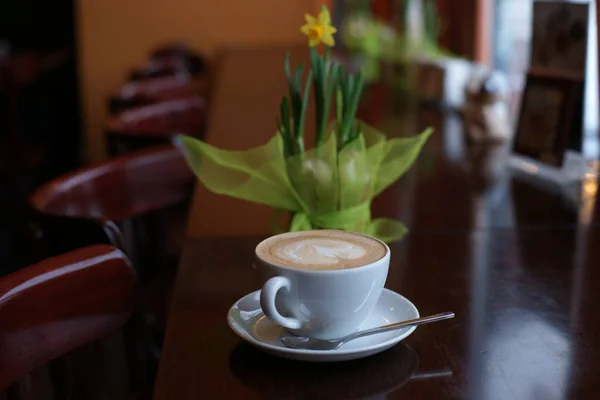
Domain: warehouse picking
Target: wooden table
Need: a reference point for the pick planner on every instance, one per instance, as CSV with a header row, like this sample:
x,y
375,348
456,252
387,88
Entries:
x,y
515,263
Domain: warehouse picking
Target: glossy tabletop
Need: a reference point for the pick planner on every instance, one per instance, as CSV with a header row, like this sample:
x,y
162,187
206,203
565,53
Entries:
x,y
516,263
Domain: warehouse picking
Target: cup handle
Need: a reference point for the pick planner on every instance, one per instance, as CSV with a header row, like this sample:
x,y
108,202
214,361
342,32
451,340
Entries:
x,y
267,302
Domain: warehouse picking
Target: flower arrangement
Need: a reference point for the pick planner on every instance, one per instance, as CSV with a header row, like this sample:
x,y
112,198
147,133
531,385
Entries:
x,y
328,186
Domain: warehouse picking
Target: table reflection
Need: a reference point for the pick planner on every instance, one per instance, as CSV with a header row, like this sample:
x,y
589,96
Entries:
x,y
526,357
524,310
369,378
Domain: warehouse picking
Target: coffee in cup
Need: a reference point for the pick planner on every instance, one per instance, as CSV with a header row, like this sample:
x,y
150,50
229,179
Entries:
x,y
321,250
321,283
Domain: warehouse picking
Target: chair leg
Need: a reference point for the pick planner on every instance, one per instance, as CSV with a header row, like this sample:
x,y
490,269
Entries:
x,y
62,384
141,358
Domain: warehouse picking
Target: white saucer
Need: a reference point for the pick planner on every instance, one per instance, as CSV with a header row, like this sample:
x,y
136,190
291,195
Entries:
x,y
247,320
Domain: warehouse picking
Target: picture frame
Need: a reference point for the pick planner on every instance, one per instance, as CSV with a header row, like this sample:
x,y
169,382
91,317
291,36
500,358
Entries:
x,y
560,36
550,119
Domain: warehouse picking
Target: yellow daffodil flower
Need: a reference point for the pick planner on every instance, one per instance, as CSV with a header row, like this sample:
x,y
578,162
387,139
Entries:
x,y
319,30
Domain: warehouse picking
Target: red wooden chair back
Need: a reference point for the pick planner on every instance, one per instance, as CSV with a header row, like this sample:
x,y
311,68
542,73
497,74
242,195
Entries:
x,y
191,66
194,63
142,93
170,59
162,119
123,187
155,124
60,304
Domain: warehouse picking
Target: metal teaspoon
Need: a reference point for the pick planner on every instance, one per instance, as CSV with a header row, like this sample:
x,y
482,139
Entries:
x,y
304,343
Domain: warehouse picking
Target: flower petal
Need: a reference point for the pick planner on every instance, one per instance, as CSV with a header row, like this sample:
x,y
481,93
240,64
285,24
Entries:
x,y
310,19
328,39
329,29
305,28
324,18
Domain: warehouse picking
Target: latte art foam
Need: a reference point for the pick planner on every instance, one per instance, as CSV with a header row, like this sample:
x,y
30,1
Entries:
x,y
321,249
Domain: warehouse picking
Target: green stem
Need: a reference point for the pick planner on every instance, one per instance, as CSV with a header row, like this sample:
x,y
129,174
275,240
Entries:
x,y
339,111
347,89
296,99
353,106
332,81
304,107
318,68
284,122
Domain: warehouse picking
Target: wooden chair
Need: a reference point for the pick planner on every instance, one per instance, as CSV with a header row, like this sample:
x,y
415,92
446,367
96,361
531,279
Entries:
x,y
146,194
157,69
129,186
155,124
52,308
170,59
194,63
30,236
143,93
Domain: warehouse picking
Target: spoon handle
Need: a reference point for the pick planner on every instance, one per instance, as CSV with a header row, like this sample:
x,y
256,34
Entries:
x,y
399,325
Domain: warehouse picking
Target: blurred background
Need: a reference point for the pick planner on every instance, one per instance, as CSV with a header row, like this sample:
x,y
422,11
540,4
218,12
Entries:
x,y
61,60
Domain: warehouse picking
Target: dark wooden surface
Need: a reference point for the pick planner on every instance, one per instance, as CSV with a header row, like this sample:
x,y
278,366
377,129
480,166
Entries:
x,y
53,307
516,263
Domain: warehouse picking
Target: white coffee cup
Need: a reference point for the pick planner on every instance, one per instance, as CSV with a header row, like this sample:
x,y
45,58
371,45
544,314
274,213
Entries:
x,y
325,304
